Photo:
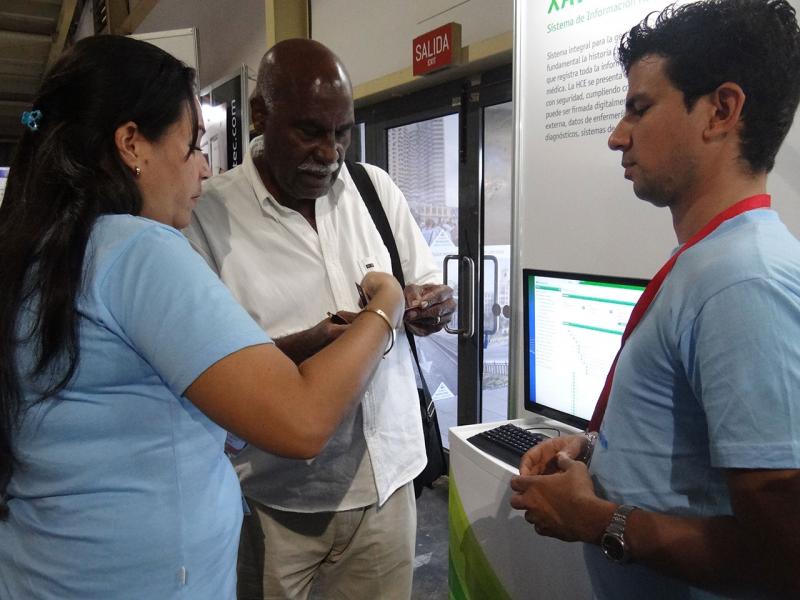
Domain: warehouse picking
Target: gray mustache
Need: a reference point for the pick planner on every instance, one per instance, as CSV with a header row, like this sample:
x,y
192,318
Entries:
x,y
317,169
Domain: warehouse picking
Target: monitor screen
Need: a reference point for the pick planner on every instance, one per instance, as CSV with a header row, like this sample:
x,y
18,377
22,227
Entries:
x,y
573,328
3,177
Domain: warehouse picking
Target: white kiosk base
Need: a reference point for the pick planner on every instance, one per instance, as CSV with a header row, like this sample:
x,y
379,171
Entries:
x,y
494,553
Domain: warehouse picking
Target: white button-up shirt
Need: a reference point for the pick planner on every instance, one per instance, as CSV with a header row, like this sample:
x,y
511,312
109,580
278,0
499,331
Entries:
x,y
288,277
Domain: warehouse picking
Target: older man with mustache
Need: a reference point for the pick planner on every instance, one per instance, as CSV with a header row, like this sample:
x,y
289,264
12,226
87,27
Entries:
x,y
290,235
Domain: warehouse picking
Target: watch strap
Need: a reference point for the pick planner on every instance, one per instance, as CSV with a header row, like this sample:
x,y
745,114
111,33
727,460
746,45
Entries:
x,y
613,542
588,447
620,518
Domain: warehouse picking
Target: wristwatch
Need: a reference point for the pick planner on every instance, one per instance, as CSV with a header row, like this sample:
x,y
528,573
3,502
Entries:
x,y
613,541
588,448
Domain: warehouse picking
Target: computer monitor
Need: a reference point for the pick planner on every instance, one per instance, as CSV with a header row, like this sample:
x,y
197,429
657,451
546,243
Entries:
x,y
572,332
3,178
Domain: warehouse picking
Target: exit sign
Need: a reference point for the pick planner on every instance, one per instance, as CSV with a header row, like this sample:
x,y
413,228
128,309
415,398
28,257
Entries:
x,y
437,49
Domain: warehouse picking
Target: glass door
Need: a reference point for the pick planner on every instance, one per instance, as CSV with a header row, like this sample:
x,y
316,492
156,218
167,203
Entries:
x,y
423,162
444,148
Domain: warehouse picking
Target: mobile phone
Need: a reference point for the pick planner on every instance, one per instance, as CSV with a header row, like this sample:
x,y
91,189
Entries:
x,y
336,319
362,296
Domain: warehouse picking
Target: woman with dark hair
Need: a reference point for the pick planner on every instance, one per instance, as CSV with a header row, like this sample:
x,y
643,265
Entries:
x,y
122,356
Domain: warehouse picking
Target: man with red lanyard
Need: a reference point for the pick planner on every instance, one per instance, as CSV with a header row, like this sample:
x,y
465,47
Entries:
x,y
694,485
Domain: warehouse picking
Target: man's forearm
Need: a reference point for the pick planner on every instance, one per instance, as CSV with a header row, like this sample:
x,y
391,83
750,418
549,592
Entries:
x,y
305,344
758,548
706,552
298,346
714,553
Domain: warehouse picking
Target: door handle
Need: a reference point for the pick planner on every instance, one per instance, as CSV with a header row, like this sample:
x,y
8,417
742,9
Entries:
x,y
495,306
465,261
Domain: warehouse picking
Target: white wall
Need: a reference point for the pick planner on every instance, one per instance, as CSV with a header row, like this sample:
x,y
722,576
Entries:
x,y
373,37
229,32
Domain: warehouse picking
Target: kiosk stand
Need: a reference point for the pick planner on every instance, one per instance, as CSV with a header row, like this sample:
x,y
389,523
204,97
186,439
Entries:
x,y
494,553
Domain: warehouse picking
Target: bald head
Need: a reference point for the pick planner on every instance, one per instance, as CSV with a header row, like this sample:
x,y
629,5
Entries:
x,y
298,68
303,107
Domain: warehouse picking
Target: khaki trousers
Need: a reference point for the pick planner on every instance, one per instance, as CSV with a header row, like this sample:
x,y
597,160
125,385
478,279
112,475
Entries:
x,y
365,553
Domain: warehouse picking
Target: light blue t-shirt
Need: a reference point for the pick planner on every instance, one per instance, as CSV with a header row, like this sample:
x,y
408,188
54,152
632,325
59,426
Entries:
x,y
708,381
123,490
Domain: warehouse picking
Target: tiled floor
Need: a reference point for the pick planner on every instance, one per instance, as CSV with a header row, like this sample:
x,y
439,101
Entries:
x,y
430,565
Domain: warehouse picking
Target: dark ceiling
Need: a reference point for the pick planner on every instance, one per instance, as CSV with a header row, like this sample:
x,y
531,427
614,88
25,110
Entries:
x,y
32,35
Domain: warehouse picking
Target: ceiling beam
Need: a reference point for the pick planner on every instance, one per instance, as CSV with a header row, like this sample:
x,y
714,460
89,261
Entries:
x,y
65,19
21,68
287,19
28,16
18,87
24,47
12,109
137,16
117,13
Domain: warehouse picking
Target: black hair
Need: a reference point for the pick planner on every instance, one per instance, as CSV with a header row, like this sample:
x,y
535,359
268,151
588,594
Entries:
x,y
65,174
753,43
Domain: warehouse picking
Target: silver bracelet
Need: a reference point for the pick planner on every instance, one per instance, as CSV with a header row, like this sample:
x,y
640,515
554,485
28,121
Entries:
x,y
385,318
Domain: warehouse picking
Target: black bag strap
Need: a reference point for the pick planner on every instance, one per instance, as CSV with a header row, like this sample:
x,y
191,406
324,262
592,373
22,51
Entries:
x,y
375,208
370,197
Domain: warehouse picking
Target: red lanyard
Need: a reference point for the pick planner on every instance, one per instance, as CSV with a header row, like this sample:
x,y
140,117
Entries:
x,y
751,203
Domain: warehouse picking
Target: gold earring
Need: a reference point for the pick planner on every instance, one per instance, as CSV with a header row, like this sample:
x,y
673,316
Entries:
x,y
137,171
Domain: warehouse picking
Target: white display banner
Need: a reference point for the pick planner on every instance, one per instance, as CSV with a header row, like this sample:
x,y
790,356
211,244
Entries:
x,y
573,209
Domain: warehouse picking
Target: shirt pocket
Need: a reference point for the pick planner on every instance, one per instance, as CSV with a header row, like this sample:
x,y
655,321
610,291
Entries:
x,y
378,260
367,264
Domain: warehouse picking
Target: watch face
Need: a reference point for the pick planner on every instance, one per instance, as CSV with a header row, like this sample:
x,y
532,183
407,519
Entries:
x,y
613,547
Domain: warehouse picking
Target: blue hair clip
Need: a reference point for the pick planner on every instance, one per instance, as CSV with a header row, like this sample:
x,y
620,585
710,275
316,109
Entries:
x,y
30,118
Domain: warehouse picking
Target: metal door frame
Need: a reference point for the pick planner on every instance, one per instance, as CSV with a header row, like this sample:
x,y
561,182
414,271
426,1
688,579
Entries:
x,y
467,97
